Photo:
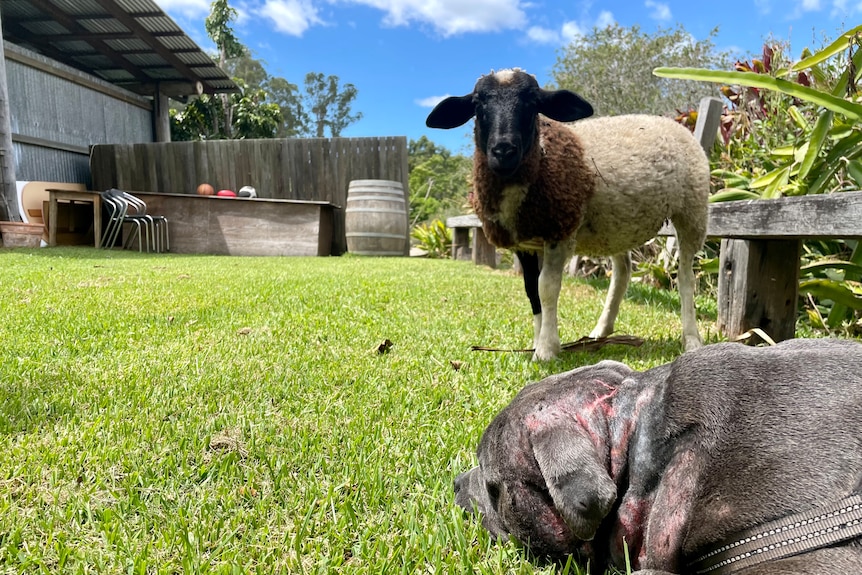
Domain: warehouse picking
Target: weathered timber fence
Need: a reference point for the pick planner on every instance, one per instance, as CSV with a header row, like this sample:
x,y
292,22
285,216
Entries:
x,y
313,169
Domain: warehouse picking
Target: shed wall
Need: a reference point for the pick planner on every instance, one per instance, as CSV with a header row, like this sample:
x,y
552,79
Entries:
x,y
58,112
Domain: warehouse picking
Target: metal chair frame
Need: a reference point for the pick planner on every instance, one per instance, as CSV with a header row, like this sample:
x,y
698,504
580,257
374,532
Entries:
x,y
124,208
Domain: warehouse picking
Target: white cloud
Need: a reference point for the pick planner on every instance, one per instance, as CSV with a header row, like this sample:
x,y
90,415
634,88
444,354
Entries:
x,y
763,6
661,11
452,17
541,35
187,8
810,5
291,17
431,101
605,19
571,31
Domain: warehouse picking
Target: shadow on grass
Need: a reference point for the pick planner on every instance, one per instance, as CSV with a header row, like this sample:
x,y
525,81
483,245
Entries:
x,y
643,294
91,253
653,351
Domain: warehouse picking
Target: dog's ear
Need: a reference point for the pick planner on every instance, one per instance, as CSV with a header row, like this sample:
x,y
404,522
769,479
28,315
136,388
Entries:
x,y
579,484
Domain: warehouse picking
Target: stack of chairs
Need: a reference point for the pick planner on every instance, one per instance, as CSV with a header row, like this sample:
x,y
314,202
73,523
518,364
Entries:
x,y
124,208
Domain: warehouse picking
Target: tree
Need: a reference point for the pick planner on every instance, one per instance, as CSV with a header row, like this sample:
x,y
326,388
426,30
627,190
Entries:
x,y
439,181
612,69
278,91
286,96
263,99
329,106
219,30
251,117
250,69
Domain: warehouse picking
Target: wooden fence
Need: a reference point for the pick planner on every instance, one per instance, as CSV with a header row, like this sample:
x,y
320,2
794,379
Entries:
x,y
315,169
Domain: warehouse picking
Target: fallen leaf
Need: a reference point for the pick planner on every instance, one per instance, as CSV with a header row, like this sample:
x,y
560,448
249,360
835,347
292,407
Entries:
x,y
384,347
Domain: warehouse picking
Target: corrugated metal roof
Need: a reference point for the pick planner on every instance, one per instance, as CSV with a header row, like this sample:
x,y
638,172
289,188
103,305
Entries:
x,y
131,43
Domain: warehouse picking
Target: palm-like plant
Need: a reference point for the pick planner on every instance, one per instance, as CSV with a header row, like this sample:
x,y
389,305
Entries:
x,y
818,150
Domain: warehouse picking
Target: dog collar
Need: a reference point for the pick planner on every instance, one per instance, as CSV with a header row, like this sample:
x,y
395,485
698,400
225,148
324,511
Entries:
x,y
791,535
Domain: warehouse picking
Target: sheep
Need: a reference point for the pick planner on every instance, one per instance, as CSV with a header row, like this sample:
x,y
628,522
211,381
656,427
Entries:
x,y
601,186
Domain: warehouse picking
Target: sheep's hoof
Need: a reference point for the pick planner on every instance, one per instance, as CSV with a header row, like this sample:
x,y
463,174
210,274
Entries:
x,y
545,354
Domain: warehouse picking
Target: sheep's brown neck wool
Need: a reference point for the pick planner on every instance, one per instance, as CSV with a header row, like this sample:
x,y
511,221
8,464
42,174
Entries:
x,y
553,179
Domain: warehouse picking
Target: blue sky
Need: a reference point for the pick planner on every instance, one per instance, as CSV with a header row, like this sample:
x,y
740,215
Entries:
x,y
405,55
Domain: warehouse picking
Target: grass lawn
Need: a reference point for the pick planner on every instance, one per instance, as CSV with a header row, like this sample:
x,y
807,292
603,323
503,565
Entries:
x,y
175,414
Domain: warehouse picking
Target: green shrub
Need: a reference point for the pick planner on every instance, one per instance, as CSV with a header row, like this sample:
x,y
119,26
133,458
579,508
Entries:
x,y
434,238
795,129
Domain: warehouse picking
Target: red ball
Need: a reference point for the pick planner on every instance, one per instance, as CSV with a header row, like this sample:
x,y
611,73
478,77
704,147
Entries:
x,y
226,193
205,190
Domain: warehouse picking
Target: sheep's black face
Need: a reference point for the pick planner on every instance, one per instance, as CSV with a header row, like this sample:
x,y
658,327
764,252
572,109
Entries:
x,y
507,110
507,105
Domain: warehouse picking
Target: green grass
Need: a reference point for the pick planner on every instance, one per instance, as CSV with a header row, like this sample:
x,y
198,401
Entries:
x,y
170,414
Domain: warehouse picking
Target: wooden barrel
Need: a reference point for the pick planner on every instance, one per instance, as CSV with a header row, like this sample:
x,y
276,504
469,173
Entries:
x,y
375,218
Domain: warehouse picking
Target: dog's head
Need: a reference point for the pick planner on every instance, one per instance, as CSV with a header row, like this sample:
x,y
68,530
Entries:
x,y
544,462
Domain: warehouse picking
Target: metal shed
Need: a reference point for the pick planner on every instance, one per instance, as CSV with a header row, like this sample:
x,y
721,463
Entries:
x,y
75,73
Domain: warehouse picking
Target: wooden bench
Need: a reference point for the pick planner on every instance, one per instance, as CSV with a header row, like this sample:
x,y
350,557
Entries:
x,y
758,284
482,252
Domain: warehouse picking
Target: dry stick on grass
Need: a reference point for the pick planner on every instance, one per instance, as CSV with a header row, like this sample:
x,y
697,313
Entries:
x,y
586,343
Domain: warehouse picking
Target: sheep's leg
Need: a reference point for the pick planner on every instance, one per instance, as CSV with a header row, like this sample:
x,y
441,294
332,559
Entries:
x,y
685,284
620,276
530,266
550,278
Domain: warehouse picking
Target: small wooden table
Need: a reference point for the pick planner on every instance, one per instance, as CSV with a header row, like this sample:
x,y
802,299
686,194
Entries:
x,y
87,196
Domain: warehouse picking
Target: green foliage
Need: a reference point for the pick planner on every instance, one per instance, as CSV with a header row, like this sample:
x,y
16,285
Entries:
x,y
433,238
251,117
329,105
218,27
612,69
439,180
793,129
268,106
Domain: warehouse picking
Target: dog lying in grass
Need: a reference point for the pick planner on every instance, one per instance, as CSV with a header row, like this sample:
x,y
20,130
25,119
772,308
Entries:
x,y
682,462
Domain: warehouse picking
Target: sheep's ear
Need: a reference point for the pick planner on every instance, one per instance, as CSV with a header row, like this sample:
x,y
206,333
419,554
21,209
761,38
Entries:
x,y
563,105
452,112
579,485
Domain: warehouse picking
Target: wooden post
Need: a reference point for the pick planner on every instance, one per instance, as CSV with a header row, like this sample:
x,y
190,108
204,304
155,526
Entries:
x,y
758,286
460,243
161,116
708,120
483,252
8,207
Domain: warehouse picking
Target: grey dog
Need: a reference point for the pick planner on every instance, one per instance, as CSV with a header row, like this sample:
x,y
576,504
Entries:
x,y
676,459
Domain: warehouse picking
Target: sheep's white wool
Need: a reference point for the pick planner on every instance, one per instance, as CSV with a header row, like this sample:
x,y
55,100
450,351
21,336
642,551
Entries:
x,y
513,197
507,76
